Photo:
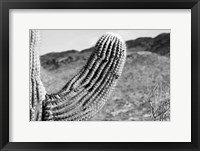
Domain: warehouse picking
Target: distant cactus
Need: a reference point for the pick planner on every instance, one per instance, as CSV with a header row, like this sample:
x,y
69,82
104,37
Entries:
x,y
87,92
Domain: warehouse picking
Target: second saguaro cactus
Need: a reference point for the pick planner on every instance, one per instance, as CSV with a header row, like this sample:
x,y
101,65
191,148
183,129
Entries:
x,y
87,92
37,90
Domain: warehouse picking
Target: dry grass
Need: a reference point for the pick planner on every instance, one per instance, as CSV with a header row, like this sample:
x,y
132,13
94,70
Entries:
x,y
159,102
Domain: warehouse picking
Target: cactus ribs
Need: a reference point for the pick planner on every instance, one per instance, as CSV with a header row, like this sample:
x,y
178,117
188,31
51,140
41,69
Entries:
x,y
87,92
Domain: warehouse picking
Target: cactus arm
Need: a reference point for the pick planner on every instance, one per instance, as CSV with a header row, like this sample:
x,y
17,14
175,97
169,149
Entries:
x,y
84,71
37,90
84,95
88,83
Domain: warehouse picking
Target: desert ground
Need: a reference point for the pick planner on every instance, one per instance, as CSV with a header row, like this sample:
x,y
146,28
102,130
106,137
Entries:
x,y
143,90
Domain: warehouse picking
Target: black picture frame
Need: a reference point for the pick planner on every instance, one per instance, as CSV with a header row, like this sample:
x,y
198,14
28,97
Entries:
x,y
5,5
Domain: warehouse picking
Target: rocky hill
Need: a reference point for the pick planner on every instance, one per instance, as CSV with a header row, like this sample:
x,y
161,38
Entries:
x,y
159,45
143,91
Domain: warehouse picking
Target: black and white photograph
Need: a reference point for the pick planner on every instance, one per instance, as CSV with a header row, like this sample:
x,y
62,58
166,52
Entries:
x,y
99,74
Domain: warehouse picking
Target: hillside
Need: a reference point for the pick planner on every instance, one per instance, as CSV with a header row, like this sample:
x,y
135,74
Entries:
x,y
159,45
143,91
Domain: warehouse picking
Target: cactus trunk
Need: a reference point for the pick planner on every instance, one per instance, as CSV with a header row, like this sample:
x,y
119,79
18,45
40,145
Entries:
x,y
37,90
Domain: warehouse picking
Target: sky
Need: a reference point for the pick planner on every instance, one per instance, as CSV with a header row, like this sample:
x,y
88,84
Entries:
x,y
62,40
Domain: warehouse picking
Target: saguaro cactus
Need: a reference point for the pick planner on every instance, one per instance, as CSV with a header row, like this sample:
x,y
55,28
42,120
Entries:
x,y
37,90
87,92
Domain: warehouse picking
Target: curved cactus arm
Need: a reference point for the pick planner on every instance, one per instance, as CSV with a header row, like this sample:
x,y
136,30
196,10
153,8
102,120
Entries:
x,y
37,90
86,93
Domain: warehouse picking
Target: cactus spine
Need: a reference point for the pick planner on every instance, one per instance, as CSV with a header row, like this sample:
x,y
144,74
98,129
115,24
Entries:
x,y
87,92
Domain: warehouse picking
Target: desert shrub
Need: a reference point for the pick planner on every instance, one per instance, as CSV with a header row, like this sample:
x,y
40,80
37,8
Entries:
x,y
158,98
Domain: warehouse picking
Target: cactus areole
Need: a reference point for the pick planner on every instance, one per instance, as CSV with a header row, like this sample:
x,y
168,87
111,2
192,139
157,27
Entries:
x,y
87,92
